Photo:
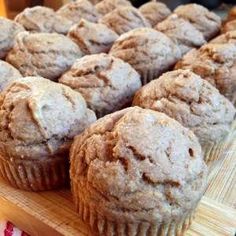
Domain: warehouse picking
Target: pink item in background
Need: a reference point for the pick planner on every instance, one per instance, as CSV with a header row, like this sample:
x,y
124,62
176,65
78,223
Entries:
x,y
8,229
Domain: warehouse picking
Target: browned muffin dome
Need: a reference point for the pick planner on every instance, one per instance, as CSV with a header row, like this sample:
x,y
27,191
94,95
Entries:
x,y
124,19
106,6
192,101
154,12
107,83
8,32
7,74
44,54
137,169
39,119
150,52
91,37
217,64
183,33
205,21
76,10
43,19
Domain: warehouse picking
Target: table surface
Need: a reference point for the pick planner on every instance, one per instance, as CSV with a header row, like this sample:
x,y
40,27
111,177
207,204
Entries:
x,y
52,213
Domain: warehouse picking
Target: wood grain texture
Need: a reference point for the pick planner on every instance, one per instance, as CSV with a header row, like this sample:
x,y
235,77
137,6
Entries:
x,y
52,213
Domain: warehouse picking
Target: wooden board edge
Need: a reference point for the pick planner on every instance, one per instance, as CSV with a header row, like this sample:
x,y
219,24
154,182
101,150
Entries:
x,y
24,220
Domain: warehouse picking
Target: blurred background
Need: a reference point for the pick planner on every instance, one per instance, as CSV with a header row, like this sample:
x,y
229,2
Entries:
x,y
10,8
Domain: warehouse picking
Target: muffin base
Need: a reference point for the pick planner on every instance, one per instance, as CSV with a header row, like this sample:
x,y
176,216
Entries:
x,y
106,227
35,175
208,150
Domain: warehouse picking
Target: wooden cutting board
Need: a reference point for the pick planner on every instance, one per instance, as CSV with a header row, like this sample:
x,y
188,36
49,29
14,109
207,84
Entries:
x,y
52,213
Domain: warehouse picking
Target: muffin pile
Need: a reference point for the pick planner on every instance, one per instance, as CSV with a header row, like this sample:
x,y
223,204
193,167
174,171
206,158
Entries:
x,y
125,103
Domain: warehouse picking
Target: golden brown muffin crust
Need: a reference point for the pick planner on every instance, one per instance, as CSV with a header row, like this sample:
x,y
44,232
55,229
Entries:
x,y
183,33
154,12
91,37
138,165
43,19
217,64
107,83
43,54
192,101
124,19
77,10
39,118
205,21
147,50
8,32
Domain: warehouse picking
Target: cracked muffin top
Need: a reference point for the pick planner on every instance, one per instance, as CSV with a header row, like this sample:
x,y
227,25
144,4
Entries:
x,y
76,10
154,12
124,19
106,6
39,118
43,19
8,73
44,54
150,52
183,33
8,32
107,83
216,63
139,164
229,26
205,21
192,101
91,37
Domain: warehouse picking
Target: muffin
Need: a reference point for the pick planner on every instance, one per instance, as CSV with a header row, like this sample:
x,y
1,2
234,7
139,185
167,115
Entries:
x,y
229,26
39,119
43,19
91,37
43,54
192,101
154,12
107,83
124,19
8,32
137,172
7,74
215,63
205,21
183,33
106,6
150,52
75,11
